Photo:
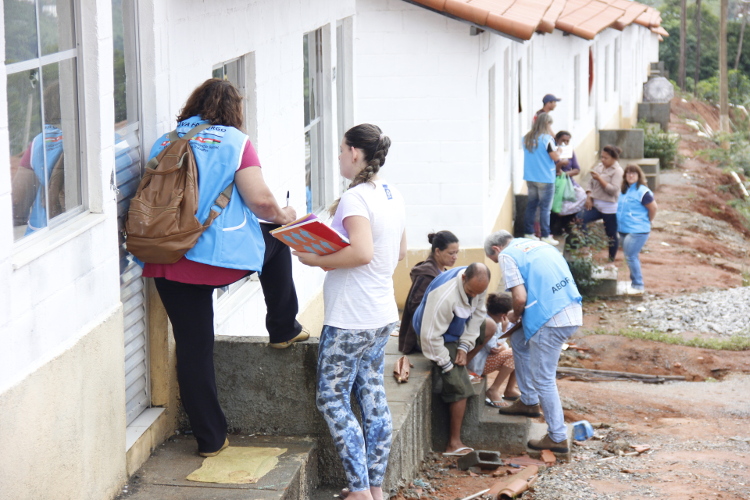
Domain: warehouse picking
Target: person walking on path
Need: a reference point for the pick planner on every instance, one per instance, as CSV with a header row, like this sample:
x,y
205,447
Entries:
x,y
222,256
443,255
360,311
546,301
602,192
539,157
636,209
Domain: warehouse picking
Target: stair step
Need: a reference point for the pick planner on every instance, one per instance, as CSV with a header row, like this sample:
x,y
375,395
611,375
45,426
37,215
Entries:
x,y
163,475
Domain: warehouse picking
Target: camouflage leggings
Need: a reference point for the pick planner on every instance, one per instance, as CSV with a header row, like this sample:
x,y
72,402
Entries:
x,y
354,359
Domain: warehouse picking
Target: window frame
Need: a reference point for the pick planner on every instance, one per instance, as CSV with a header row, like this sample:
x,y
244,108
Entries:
x,y
23,243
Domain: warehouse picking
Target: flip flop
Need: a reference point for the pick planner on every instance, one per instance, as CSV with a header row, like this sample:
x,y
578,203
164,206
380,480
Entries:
x,y
511,398
494,404
464,450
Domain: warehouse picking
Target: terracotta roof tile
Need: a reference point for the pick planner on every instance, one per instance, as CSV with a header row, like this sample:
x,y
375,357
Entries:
x,y
521,18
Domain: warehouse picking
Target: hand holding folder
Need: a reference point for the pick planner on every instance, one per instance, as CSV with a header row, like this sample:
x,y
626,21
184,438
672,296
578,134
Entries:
x,y
309,234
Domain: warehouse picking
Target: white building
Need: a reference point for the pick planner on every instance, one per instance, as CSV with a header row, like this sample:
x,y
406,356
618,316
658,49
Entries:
x,y
87,383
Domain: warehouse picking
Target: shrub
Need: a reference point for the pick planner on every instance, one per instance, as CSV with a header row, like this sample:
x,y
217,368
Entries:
x,y
579,247
658,144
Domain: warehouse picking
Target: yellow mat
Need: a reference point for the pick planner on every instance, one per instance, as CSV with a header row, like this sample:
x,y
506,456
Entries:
x,y
237,465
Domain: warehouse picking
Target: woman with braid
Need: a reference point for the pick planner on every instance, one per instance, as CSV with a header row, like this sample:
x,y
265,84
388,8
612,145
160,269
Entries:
x,y
360,311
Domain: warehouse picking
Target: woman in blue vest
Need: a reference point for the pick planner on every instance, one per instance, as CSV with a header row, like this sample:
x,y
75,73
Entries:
x,y
233,247
539,172
636,209
360,311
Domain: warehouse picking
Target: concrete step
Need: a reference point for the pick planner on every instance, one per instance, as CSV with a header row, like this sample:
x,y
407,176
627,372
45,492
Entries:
x,y
272,392
163,475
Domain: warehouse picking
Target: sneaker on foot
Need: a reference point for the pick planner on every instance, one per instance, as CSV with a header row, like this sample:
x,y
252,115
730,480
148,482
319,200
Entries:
x,y
546,443
301,337
552,241
634,291
519,408
531,237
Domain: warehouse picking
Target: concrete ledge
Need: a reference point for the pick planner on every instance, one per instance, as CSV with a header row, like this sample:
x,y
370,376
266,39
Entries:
x,y
269,391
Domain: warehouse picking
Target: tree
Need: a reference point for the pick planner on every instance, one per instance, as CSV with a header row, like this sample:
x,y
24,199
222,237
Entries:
x,y
683,44
697,72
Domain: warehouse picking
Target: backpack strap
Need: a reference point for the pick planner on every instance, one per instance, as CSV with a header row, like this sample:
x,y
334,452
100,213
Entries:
x,y
174,137
222,201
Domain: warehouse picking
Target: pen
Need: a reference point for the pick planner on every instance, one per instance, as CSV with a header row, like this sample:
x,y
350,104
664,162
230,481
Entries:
x,y
287,198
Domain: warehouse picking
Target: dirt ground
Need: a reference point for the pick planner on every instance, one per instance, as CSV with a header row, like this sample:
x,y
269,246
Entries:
x,y
697,429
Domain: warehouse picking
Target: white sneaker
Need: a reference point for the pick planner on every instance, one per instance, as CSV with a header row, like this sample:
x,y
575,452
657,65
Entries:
x,y
634,291
552,241
531,237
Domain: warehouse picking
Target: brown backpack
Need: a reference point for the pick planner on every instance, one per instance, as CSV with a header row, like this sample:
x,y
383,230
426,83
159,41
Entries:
x,y
161,225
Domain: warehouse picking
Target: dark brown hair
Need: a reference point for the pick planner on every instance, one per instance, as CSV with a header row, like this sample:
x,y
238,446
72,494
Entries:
x,y
375,144
217,101
441,240
612,151
641,176
499,303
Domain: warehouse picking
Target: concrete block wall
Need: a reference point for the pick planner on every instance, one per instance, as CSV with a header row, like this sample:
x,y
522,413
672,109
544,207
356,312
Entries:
x,y
423,79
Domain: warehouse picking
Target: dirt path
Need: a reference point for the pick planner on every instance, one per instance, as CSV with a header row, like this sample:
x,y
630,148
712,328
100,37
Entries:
x,y
697,430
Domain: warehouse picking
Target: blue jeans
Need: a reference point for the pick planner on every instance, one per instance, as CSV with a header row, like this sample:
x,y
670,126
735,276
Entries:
x,y
355,359
540,195
631,246
536,373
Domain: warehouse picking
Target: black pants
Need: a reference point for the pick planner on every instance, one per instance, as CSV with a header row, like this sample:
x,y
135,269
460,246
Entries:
x,y
610,228
190,309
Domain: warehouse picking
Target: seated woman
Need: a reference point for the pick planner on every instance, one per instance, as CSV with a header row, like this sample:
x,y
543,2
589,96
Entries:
x,y
567,164
443,255
495,355
635,211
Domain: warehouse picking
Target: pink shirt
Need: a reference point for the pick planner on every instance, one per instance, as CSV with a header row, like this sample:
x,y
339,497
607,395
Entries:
x,y
196,273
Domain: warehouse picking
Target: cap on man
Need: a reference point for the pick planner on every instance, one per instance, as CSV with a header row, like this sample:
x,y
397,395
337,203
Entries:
x,y
549,103
546,300
448,323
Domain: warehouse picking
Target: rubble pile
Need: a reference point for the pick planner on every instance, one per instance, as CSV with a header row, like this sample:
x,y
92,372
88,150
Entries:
x,y
722,311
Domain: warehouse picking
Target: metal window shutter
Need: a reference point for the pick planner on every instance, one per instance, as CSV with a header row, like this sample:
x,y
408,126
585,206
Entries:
x,y
132,290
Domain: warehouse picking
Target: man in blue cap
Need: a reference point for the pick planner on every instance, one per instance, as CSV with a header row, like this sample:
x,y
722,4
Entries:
x,y
549,103
546,301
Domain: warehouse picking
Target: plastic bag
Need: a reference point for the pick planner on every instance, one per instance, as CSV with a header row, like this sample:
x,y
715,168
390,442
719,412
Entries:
x,y
575,206
560,186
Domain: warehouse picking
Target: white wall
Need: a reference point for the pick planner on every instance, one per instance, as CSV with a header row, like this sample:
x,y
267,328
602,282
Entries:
x,y
175,62
54,284
423,79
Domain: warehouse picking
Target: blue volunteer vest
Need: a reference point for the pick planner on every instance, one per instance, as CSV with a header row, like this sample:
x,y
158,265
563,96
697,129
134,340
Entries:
x,y
457,326
632,216
549,283
537,165
234,240
51,143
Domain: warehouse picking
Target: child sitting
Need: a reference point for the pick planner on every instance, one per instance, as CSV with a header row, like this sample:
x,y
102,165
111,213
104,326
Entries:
x,y
495,354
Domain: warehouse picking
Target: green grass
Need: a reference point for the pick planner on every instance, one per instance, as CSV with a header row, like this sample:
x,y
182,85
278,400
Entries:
x,y
733,343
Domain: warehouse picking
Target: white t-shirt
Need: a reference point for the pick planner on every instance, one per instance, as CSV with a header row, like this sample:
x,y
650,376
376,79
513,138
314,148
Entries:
x,y
362,297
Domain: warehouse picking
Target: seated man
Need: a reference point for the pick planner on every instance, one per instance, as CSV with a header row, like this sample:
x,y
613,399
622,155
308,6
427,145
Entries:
x,y
448,321
546,300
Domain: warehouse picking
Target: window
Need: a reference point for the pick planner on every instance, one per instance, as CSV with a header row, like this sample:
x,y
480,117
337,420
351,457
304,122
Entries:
x,y
577,87
315,164
591,76
241,72
41,57
606,72
616,78
492,133
507,86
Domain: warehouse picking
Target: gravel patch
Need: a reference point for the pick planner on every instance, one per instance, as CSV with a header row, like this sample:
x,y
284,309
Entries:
x,y
722,312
